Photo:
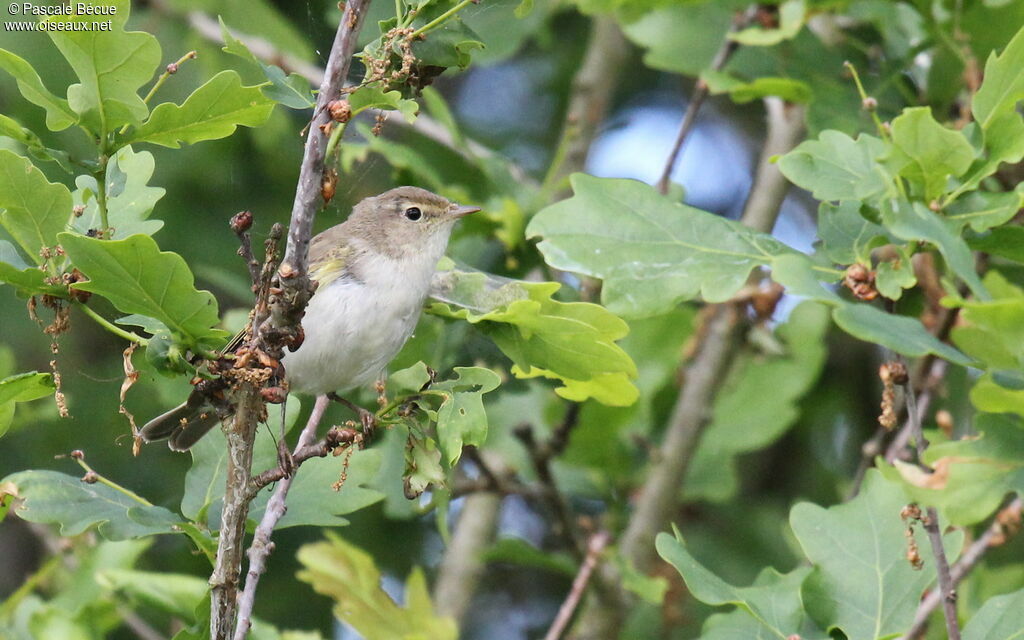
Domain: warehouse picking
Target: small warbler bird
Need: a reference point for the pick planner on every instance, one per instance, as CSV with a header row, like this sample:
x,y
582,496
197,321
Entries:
x,y
373,273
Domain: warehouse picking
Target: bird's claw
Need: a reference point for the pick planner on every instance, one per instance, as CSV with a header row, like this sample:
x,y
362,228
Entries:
x,y
284,459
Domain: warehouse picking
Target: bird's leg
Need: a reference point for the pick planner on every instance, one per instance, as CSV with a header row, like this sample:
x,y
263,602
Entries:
x,y
366,418
284,455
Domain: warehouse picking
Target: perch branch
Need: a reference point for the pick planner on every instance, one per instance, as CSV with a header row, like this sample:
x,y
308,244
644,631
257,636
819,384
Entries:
x,y
461,566
261,546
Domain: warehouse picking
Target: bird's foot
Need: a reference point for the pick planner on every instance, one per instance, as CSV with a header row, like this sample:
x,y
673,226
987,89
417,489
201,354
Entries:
x,y
369,421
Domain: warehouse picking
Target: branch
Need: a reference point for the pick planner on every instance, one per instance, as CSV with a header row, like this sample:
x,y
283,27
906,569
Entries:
x,y
931,522
703,377
590,95
1004,525
596,544
461,566
700,93
261,546
275,323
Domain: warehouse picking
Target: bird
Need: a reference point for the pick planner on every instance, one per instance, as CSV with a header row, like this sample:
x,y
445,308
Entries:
x,y
373,274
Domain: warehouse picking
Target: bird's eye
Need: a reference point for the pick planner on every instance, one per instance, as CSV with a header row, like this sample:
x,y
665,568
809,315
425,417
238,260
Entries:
x,y
413,213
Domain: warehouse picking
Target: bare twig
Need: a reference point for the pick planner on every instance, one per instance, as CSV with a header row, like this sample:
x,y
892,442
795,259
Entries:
x,y
703,376
564,525
1005,524
261,546
931,522
241,222
595,545
700,93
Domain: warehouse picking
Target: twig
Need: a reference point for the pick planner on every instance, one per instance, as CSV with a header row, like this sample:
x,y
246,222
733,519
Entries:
x,y
1006,522
597,543
241,222
700,93
261,546
931,522
564,526
660,492
336,437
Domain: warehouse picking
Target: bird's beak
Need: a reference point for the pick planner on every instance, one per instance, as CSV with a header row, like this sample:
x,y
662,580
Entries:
x,y
461,212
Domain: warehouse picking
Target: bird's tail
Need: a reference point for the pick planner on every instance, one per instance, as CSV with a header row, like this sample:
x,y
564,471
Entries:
x,y
183,425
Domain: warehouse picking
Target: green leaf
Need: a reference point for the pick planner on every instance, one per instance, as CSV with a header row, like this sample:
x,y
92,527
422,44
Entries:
x,y
791,18
773,600
895,275
1005,242
520,552
374,97
915,222
213,111
348,575
993,331
59,115
743,91
111,66
682,38
972,475
10,128
899,333
173,593
758,402
928,153
34,209
862,582
130,200
846,235
837,167
1003,86
54,622
1000,618
57,498
982,210
292,91
461,419
23,387
139,278
572,342
422,466
650,252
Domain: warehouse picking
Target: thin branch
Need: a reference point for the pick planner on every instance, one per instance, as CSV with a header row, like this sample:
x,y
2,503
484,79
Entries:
x,y
700,93
241,222
261,546
931,522
597,543
564,526
336,437
1005,524
659,494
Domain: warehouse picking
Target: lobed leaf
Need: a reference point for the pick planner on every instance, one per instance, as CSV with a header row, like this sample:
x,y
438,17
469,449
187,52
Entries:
x,y
928,153
773,600
862,582
348,575
213,111
792,14
572,342
291,90
23,387
130,200
34,210
111,66
59,115
57,498
837,167
136,277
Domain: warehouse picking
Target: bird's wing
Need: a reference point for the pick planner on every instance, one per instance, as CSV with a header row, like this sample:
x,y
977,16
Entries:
x,y
330,258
